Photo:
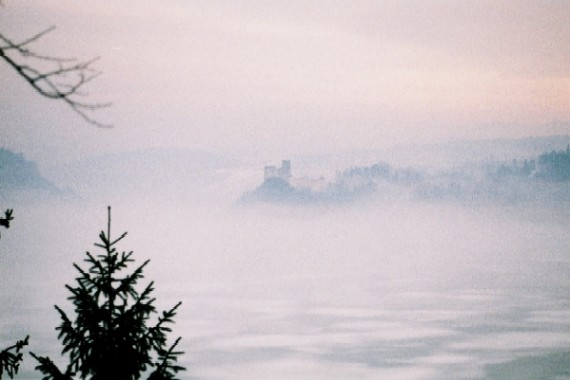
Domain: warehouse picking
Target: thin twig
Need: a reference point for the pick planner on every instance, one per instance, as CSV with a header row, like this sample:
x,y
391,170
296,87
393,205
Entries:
x,y
62,82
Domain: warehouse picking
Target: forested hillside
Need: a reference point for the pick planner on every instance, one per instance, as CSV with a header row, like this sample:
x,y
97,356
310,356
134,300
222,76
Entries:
x,y
19,177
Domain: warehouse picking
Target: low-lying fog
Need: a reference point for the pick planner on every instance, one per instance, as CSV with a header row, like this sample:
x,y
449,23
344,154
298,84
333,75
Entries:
x,y
407,291
378,289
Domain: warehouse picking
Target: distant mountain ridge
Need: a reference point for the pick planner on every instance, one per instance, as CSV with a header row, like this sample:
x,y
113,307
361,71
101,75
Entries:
x,y
187,175
171,173
454,153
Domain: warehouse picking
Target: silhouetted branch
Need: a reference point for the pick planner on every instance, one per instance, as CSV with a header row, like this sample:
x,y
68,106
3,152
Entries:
x,y
50,370
5,222
11,357
167,367
53,77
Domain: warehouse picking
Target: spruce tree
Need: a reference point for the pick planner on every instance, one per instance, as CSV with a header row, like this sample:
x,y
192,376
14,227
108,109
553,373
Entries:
x,y
117,333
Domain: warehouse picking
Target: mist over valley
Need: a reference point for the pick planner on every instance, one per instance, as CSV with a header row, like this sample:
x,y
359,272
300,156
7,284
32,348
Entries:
x,y
321,284
226,190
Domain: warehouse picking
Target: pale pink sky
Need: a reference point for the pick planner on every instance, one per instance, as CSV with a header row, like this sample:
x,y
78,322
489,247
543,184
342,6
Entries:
x,y
283,77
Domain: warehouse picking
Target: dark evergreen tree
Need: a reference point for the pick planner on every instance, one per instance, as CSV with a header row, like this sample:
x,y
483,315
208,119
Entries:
x,y
112,336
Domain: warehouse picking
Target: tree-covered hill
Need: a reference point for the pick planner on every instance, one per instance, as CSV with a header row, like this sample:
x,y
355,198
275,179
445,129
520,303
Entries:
x,y
20,178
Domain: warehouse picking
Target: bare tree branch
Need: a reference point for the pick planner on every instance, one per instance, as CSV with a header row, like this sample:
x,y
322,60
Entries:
x,y
53,77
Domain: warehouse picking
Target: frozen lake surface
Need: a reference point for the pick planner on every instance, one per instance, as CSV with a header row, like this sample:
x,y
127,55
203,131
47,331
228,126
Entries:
x,y
376,291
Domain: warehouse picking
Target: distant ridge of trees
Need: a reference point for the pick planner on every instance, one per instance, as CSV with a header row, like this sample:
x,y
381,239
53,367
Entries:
x,y
511,181
555,166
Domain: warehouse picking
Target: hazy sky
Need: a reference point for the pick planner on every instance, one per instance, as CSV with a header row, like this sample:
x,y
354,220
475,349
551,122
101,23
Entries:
x,y
284,77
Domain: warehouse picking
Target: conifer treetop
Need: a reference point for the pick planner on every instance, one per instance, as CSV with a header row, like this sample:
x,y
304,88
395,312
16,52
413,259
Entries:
x,y
116,332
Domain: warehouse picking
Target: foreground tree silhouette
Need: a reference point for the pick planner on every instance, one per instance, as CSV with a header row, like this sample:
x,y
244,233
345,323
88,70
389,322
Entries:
x,y
5,221
112,337
11,357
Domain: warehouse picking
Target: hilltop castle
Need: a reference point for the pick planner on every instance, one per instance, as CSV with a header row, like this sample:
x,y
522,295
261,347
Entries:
x,y
284,172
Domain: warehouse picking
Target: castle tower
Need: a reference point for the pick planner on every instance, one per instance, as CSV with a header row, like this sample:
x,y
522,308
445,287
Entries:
x,y
285,170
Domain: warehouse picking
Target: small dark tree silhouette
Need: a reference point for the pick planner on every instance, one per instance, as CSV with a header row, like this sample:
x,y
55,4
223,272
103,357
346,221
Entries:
x,y
111,337
11,357
5,221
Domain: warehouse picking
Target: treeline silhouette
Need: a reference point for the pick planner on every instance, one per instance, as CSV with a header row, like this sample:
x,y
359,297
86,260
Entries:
x,y
556,165
540,178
